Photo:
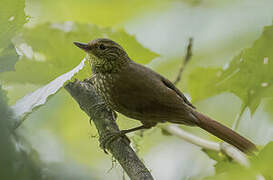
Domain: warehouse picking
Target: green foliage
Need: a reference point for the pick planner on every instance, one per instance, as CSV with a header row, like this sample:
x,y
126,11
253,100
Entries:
x,y
52,52
8,58
12,18
217,156
15,160
20,160
269,106
46,44
249,75
260,164
263,163
103,12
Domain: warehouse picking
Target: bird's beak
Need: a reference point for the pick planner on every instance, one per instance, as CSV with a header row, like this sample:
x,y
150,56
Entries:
x,y
83,46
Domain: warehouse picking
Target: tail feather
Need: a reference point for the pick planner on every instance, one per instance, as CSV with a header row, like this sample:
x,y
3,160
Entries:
x,y
224,133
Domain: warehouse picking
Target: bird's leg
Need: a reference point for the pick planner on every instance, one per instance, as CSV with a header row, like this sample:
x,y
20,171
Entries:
x,y
135,129
108,138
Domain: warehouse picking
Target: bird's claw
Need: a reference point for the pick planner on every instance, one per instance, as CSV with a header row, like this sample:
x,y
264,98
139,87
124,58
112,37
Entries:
x,y
108,138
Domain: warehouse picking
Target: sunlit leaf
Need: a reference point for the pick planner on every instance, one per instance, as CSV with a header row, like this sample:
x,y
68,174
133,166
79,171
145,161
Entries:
x,y
40,96
264,161
12,18
103,12
261,165
45,59
269,106
249,75
48,50
217,156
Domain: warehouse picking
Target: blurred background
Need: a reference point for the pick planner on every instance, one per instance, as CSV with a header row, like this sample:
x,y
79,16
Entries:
x,y
154,33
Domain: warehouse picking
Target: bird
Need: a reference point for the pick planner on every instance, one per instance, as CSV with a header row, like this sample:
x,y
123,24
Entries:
x,y
140,93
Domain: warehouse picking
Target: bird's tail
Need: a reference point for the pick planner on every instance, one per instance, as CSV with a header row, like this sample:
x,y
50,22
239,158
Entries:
x,y
224,133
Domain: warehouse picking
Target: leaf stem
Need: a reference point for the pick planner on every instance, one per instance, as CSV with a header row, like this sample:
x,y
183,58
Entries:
x,y
239,117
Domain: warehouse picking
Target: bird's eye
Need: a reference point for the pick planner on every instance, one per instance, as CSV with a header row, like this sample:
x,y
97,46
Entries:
x,y
102,47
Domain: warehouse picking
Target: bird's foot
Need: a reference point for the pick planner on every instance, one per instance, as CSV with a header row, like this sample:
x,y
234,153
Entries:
x,y
108,138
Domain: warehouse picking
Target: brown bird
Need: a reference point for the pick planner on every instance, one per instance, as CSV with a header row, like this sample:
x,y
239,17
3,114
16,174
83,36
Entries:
x,y
140,93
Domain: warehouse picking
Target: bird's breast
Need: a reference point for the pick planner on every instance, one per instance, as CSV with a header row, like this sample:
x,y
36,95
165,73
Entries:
x,y
104,84
108,86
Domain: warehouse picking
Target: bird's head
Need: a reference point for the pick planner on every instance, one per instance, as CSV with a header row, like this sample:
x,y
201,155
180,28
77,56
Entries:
x,y
104,54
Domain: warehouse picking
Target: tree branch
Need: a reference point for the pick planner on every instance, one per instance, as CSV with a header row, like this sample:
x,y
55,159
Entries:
x,y
186,60
227,149
93,105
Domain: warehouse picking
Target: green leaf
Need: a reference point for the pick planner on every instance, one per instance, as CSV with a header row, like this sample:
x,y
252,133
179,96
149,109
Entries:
x,y
39,97
17,157
12,18
264,161
249,75
260,165
8,58
233,171
269,106
102,12
217,156
48,51
223,162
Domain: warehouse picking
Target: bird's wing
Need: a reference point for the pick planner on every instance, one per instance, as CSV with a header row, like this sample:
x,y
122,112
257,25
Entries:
x,y
141,93
170,85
